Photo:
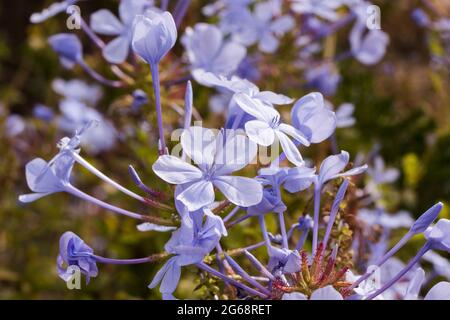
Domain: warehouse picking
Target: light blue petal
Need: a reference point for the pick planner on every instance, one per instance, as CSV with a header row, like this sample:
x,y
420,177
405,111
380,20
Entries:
x,y
197,195
260,132
175,171
116,51
105,22
332,165
241,191
440,291
290,149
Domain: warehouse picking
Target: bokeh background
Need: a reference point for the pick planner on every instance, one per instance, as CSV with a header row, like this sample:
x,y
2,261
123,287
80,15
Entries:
x,y
402,105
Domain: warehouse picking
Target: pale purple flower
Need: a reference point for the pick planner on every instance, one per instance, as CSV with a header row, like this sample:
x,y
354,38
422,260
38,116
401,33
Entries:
x,y
267,126
189,246
441,266
15,125
78,90
283,260
45,178
207,50
401,219
332,167
267,25
439,235
154,34
76,114
344,115
106,23
68,47
43,112
73,252
217,157
324,78
310,116
367,46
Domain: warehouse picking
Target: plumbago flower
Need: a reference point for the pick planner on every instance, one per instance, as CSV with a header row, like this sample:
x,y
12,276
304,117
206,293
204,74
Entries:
x,y
263,26
105,22
74,252
208,51
189,244
267,126
217,157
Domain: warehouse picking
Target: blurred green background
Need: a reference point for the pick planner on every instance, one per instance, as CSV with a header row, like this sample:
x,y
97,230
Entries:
x,y
403,104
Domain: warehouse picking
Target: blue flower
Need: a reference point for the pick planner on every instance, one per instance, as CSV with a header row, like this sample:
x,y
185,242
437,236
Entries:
x,y
45,178
78,90
208,51
15,125
217,157
267,126
68,47
266,25
367,47
51,11
74,252
324,78
76,115
285,260
439,235
312,118
43,112
154,34
344,115
427,218
331,168
189,245
105,22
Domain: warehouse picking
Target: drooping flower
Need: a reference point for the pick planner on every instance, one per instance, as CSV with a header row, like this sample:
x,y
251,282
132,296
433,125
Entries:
x,y
331,168
189,245
367,46
267,126
74,252
154,34
68,47
208,51
45,178
105,22
217,157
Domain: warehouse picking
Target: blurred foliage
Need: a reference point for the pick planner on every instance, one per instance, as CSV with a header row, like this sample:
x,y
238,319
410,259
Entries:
x,y
401,104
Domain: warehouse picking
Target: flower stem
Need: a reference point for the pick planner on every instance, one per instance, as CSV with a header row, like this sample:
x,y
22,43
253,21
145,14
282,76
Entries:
x,y
157,91
99,77
317,195
383,259
220,275
153,258
283,230
80,194
408,267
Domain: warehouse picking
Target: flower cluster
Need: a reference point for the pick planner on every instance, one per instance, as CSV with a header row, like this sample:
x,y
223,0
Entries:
x,y
222,179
